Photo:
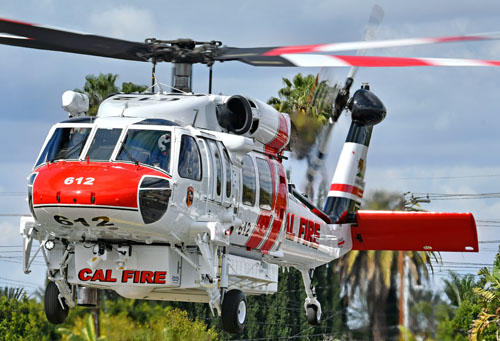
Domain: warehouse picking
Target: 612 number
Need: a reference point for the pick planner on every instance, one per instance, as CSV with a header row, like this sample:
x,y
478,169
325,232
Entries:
x,y
102,221
80,181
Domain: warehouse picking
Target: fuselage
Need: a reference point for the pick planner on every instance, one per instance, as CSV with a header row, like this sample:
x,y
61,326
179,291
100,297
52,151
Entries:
x,y
150,181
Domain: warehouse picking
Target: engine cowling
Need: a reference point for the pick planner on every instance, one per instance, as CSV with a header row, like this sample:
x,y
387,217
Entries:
x,y
258,120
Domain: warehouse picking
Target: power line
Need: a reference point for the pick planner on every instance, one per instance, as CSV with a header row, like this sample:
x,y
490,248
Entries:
x,y
13,194
452,177
459,196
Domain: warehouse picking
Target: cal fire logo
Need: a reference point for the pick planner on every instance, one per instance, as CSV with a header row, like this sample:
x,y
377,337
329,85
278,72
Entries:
x,y
308,231
128,276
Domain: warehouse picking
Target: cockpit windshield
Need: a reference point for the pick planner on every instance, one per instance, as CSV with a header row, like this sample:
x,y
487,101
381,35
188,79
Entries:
x,y
103,144
151,147
65,143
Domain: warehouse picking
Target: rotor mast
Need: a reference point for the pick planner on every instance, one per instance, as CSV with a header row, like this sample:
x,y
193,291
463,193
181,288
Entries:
x,y
182,77
182,53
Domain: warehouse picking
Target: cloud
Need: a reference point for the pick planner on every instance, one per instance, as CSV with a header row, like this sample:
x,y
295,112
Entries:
x,y
126,22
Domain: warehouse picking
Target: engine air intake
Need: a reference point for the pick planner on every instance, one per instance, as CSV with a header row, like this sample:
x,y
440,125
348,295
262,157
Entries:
x,y
235,115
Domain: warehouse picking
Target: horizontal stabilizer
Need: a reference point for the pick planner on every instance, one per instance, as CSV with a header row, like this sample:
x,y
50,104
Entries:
x,y
414,231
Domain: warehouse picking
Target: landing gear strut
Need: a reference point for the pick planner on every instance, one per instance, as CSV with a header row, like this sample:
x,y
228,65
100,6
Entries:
x,y
234,311
311,304
56,309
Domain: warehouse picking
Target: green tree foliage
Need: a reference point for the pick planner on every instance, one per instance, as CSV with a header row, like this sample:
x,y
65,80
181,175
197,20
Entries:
x,y
426,310
22,318
9,292
459,288
475,306
309,102
87,333
100,87
158,323
372,276
488,321
282,314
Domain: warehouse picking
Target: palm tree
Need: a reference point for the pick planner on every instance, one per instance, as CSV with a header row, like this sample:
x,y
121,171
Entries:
x,y
12,293
372,275
489,296
100,87
309,102
459,288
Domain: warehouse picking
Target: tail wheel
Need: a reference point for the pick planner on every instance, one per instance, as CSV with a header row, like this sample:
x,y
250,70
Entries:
x,y
234,311
312,315
55,313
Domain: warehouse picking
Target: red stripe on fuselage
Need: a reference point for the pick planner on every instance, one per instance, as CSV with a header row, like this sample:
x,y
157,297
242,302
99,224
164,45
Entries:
x,y
347,189
264,219
90,183
279,210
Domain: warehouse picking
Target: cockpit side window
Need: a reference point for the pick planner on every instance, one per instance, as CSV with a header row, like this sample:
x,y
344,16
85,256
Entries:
x,y
150,147
65,144
249,185
103,144
189,159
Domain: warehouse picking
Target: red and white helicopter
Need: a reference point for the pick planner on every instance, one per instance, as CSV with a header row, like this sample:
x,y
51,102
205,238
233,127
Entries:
x,y
181,196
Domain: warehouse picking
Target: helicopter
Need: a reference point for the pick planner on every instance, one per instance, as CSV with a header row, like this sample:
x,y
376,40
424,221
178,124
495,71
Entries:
x,y
180,196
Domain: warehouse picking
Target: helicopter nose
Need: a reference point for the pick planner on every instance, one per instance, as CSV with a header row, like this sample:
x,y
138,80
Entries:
x,y
95,184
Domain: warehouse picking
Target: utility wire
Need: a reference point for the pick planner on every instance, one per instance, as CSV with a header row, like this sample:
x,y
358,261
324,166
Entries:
x,y
12,194
451,177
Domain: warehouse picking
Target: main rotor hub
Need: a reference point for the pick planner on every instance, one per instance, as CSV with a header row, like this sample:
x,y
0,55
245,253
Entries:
x,y
182,50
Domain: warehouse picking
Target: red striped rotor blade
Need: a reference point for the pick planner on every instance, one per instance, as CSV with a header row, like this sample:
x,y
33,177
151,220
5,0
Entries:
x,y
375,44
245,53
313,60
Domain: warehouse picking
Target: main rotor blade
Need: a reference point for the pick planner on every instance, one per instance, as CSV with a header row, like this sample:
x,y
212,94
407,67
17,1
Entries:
x,y
320,60
242,53
17,33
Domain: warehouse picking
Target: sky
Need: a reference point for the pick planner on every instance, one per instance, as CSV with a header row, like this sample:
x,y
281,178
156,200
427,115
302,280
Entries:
x,y
439,136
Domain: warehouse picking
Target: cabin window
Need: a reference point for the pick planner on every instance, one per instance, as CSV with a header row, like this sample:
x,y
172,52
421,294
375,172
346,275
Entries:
x,y
189,159
65,144
265,184
103,144
218,167
227,164
150,147
249,186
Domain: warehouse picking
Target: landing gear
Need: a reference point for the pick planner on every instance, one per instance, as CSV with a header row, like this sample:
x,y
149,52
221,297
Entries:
x,y
312,315
234,311
311,305
56,309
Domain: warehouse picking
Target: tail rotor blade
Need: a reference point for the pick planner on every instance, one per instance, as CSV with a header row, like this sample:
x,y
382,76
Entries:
x,y
339,99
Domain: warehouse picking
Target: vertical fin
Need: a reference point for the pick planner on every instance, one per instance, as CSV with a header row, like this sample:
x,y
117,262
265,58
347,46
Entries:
x,y
347,188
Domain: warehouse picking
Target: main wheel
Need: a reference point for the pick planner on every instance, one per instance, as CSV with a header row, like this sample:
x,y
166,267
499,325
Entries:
x,y
234,311
312,315
55,313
